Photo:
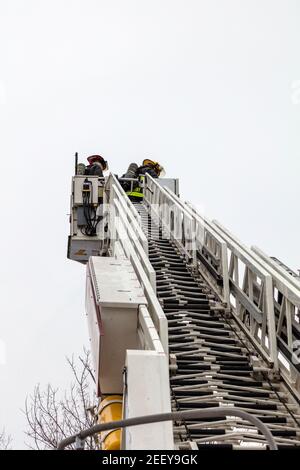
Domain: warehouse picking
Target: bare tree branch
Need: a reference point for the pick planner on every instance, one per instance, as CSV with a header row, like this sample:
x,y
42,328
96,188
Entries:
x,y
5,440
51,418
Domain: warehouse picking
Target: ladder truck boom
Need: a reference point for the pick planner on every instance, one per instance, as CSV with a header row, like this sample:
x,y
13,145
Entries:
x,y
183,317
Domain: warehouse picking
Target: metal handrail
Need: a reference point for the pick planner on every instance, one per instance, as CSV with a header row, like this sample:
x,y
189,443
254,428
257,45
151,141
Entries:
x,y
173,416
134,246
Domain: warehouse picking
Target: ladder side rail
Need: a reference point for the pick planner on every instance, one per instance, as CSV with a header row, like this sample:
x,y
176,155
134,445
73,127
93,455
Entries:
x,y
265,262
286,292
176,224
190,235
269,263
136,246
245,275
149,337
117,196
154,307
286,314
146,376
181,226
256,320
214,247
286,268
128,232
113,180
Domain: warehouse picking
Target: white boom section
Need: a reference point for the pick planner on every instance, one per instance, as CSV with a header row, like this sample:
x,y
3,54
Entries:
x,y
123,334
113,299
146,379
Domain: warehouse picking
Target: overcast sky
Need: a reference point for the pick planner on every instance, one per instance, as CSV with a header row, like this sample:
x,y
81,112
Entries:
x,y
210,88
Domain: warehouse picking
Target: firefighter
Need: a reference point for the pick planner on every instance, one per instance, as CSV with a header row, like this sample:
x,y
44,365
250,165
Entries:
x,y
151,167
96,166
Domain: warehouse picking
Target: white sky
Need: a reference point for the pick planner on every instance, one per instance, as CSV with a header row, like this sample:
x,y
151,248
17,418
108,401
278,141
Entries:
x,y
210,88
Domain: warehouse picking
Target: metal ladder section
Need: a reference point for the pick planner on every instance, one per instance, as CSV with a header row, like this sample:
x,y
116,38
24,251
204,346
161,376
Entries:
x,y
211,361
285,267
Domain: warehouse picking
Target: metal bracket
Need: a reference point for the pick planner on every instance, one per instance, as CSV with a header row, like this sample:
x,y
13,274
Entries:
x,y
79,443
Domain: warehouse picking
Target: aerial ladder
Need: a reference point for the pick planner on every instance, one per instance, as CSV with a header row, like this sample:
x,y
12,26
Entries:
x,y
184,318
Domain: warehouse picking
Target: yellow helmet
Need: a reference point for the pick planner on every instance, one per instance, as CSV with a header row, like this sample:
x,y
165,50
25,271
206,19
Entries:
x,y
157,167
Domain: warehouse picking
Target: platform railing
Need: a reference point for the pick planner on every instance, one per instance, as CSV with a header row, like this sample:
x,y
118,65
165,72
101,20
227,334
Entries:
x,y
286,298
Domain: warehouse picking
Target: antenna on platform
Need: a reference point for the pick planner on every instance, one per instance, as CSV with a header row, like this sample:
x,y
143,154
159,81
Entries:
x,y
76,162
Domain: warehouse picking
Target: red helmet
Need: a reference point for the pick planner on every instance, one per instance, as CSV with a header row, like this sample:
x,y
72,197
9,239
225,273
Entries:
x,y
97,158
